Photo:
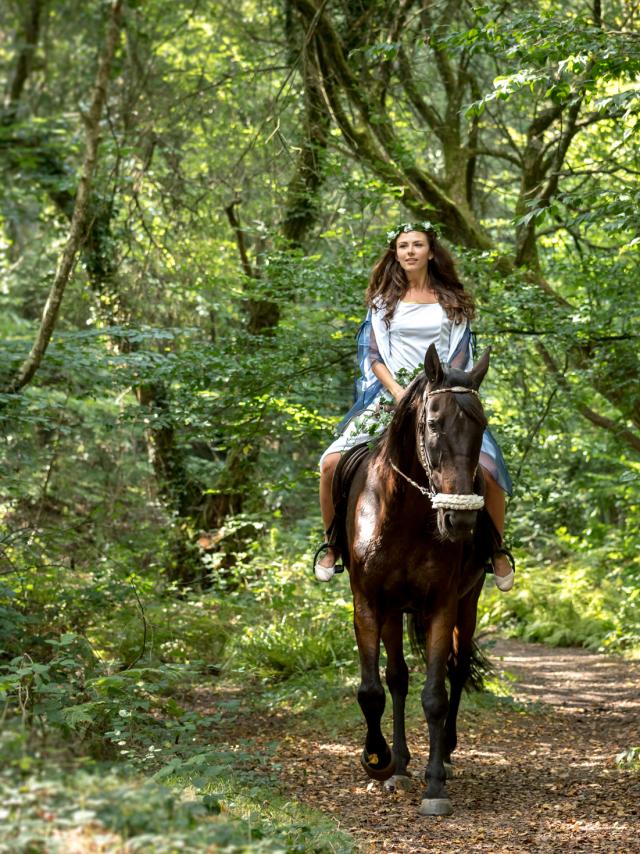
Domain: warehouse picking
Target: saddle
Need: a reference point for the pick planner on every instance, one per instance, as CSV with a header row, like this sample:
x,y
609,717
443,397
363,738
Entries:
x,y
344,474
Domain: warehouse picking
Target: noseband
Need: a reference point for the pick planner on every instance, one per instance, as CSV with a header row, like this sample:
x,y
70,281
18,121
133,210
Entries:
x,y
439,500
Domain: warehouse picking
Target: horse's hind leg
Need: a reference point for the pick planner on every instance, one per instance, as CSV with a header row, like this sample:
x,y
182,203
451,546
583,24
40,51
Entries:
x,y
397,675
460,667
458,672
377,759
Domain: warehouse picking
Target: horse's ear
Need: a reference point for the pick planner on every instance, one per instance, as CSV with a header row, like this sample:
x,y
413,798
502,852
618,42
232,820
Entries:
x,y
479,370
433,366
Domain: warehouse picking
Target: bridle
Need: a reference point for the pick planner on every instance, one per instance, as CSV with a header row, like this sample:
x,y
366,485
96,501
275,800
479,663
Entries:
x,y
439,500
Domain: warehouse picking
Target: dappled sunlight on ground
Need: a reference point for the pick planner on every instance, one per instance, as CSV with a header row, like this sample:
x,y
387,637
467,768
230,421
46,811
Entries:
x,y
570,678
536,775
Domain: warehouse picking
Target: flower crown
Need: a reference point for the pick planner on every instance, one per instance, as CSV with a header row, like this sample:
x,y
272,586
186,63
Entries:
x,y
406,227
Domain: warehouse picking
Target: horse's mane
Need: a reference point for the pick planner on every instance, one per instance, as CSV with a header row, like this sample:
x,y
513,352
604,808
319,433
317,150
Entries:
x,y
403,422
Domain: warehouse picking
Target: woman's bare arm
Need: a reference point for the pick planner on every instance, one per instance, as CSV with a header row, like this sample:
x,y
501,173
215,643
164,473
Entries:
x,y
384,375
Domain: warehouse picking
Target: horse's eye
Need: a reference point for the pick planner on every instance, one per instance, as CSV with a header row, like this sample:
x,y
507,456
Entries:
x,y
433,425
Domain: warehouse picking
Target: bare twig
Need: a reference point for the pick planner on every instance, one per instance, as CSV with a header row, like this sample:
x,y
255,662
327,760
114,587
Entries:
x,y
234,222
143,649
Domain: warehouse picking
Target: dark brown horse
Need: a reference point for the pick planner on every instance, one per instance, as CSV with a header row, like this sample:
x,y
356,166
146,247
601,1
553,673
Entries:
x,y
413,542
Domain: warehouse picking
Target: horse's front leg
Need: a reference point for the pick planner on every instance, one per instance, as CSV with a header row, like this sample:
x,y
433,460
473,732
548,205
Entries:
x,y
377,759
435,800
397,675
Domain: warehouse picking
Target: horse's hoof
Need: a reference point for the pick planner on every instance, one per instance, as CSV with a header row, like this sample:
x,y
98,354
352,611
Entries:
x,y
371,765
435,806
397,783
448,770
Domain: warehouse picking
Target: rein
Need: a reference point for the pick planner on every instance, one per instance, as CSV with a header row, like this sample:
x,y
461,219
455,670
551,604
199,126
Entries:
x,y
439,500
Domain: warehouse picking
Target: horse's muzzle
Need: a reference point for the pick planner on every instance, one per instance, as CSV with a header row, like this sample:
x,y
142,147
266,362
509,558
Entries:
x,y
457,525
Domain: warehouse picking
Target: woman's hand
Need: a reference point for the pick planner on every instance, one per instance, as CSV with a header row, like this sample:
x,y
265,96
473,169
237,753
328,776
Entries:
x,y
388,381
398,392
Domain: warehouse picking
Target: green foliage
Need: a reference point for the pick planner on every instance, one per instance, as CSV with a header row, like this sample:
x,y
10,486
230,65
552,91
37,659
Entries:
x,y
163,777
159,476
570,603
103,806
303,634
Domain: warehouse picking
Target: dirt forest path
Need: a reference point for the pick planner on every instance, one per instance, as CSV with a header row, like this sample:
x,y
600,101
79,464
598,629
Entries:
x,y
535,775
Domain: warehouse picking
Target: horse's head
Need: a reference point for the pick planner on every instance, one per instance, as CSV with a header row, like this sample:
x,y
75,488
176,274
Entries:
x,y
450,425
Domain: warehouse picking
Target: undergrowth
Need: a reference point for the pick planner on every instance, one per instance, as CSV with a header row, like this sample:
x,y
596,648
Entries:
x,y
570,602
104,808
120,695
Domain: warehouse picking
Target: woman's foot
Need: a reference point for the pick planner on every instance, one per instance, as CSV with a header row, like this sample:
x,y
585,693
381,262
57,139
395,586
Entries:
x,y
325,568
504,570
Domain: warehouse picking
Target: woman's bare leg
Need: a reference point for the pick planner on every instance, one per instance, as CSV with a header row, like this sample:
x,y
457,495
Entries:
x,y
327,469
495,504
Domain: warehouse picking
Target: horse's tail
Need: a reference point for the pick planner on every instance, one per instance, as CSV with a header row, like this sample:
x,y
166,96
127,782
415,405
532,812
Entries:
x,y
417,631
479,668
479,664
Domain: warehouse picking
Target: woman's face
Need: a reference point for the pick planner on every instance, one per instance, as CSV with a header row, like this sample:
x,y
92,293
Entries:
x,y
413,252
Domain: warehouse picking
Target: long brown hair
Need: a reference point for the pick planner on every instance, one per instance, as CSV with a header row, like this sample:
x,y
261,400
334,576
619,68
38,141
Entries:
x,y
389,283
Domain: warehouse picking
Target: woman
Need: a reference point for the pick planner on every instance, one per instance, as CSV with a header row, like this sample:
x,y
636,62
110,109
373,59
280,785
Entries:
x,y
415,299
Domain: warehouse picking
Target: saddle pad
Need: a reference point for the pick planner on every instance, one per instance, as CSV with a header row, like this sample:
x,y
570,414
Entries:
x,y
346,469
348,465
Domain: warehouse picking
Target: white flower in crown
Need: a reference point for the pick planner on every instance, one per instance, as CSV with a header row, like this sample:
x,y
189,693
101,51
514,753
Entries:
x,y
406,227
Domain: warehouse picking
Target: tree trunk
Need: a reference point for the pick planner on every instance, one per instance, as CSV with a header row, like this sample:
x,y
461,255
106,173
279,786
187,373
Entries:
x,y
29,42
302,204
79,219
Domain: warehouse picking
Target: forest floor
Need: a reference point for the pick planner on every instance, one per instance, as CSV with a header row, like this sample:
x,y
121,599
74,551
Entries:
x,y
534,771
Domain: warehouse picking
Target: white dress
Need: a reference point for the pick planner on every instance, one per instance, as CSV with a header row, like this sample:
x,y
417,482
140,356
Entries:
x,y
414,327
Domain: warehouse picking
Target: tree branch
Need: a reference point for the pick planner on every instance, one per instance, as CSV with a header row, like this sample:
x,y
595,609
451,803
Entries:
x,y
623,433
422,108
303,204
376,142
398,20
234,222
443,65
534,171
500,155
263,314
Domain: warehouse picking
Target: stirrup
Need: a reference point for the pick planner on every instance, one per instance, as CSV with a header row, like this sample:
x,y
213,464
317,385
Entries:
x,y
325,573
504,583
